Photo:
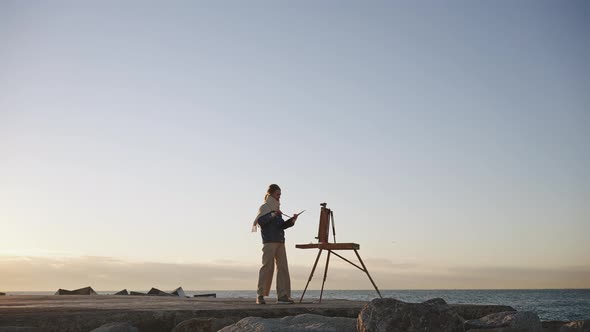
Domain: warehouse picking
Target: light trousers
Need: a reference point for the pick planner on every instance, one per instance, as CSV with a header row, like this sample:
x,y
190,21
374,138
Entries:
x,y
271,253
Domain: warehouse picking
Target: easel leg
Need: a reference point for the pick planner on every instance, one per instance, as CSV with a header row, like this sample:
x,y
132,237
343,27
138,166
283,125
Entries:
x,y
367,272
325,274
311,274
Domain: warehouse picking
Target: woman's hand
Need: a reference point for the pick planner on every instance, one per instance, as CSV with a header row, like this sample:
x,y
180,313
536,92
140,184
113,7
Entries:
x,y
295,217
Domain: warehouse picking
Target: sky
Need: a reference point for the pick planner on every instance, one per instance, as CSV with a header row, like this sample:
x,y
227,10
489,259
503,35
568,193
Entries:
x,y
137,140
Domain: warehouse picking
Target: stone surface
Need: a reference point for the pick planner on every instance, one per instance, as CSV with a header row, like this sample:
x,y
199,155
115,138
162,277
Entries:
x,y
179,292
299,323
474,311
20,329
436,301
389,314
81,291
501,329
76,313
577,325
116,327
157,292
137,293
195,325
509,319
552,325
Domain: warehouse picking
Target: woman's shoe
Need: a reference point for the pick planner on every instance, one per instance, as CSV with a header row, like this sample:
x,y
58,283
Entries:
x,y
260,300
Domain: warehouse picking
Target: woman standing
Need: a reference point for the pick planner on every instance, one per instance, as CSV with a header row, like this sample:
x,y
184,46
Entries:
x,y
273,227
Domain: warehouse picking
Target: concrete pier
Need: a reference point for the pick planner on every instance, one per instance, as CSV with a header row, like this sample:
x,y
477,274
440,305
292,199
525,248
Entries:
x,y
83,313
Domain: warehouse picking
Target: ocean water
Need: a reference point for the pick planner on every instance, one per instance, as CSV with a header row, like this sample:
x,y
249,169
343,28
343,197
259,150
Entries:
x,y
549,304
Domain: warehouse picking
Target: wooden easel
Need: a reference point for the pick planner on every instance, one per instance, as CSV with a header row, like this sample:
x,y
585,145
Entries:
x,y
327,218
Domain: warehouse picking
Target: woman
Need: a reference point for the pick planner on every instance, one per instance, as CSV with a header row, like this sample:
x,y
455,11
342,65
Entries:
x,y
273,227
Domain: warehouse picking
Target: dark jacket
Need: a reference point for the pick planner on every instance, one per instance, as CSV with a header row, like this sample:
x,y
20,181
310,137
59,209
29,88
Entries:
x,y
273,228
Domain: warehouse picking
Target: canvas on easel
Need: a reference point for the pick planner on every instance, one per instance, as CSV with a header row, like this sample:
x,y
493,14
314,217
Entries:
x,y
327,219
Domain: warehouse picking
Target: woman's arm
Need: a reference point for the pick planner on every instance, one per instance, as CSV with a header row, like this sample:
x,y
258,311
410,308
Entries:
x,y
288,223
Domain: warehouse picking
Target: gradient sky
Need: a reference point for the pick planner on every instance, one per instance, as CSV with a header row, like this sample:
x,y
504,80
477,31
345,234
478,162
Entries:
x,y
451,140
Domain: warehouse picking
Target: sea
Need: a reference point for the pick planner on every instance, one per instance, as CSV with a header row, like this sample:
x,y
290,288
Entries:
x,y
549,304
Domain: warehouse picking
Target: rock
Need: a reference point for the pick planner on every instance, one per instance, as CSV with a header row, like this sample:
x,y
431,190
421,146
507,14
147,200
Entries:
x,y
19,329
474,311
219,323
116,327
179,292
123,292
157,292
149,314
389,314
526,320
206,295
501,329
304,322
137,293
2,294
436,301
194,325
81,291
577,325
552,325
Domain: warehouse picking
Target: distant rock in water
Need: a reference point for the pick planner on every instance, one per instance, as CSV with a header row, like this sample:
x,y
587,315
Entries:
x,y
206,295
389,314
157,292
123,292
81,291
2,294
137,293
179,292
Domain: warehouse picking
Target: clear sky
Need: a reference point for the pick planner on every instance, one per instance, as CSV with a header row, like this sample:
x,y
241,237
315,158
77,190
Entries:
x,y
137,140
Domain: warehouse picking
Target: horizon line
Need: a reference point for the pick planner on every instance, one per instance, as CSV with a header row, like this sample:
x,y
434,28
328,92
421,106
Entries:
x,y
343,289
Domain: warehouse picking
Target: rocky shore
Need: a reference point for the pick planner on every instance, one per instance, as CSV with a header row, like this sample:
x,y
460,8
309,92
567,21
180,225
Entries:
x,y
102,313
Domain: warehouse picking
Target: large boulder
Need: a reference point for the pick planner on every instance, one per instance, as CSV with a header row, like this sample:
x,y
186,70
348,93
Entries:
x,y
577,325
179,292
524,320
157,292
194,325
393,315
116,327
474,311
503,329
552,325
81,291
299,323
137,293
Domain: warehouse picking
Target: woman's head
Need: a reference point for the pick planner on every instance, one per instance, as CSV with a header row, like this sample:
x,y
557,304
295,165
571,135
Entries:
x,y
273,190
